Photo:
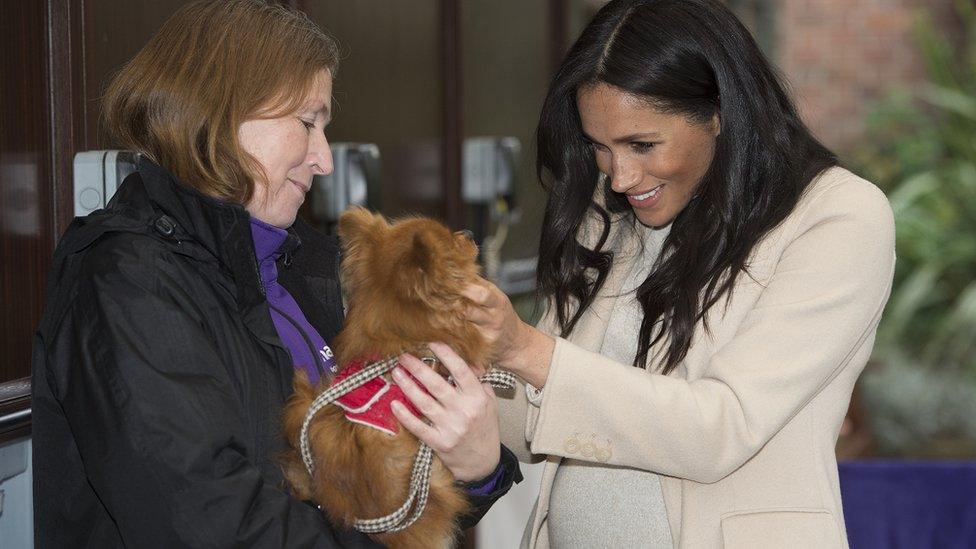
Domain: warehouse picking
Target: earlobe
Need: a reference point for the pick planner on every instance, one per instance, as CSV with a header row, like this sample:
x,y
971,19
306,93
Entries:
x,y
716,125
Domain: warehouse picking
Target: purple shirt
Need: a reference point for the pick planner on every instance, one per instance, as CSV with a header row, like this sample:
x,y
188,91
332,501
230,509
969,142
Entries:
x,y
309,351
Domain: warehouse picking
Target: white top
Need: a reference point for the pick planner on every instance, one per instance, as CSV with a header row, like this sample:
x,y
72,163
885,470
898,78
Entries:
x,y
599,505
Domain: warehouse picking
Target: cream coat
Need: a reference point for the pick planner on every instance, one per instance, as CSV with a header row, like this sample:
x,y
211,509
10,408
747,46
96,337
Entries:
x,y
743,431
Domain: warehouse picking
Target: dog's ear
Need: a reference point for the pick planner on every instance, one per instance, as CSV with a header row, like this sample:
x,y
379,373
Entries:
x,y
435,247
423,250
358,225
431,269
359,232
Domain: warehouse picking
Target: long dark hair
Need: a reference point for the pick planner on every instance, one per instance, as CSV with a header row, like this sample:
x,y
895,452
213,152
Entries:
x,y
688,57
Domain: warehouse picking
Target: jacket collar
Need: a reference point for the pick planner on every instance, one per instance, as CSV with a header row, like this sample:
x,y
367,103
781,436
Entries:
x,y
220,228
214,224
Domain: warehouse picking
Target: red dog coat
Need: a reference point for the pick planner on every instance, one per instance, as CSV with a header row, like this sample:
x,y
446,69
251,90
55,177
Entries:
x,y
369,404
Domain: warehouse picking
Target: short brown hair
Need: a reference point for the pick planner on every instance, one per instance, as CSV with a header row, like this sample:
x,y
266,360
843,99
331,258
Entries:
x,y
211,66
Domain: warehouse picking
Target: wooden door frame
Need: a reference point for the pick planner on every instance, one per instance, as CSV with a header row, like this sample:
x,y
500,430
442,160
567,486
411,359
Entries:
x,y
64,40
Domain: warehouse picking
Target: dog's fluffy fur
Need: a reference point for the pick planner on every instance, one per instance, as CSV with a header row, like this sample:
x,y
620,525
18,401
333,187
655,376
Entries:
x,y
403,284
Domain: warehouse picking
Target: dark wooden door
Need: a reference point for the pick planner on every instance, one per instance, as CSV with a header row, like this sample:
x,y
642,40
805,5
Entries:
x,y
56,57
27,211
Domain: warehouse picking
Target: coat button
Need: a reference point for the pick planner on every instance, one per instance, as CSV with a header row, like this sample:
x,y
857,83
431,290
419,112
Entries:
x,y
165,226
572,445
588,450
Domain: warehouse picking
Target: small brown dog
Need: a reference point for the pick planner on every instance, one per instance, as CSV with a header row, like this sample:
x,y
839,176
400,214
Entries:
x,y
403,283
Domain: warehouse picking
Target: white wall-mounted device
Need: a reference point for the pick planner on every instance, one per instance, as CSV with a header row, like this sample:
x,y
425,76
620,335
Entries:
x,y
98,175
356,168
489,167
489,177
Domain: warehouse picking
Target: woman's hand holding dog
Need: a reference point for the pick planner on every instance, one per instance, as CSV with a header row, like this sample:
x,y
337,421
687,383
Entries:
x,y
463,429
516,346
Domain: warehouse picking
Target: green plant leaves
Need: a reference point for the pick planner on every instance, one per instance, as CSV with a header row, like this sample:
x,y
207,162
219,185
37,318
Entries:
x,y
923,153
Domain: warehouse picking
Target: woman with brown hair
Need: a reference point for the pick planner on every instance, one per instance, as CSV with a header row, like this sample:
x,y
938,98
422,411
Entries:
x,y
177,315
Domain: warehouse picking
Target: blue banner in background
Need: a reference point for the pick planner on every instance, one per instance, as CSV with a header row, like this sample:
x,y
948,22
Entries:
x,y
903,504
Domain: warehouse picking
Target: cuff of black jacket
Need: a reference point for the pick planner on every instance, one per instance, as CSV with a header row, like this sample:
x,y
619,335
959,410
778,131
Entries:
x,y
484,492
486,485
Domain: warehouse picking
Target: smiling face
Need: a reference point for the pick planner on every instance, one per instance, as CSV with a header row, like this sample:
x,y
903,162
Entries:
x,y
654,158
290,149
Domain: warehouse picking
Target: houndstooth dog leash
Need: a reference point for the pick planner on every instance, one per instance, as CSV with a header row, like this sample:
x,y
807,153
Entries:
x,y
419,474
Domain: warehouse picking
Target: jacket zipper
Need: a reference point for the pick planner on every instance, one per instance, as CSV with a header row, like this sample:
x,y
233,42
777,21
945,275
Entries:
x,y
308,342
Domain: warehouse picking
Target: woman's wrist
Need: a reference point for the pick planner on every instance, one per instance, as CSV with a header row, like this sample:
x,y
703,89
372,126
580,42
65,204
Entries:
x,y
486,484
531,353
481,474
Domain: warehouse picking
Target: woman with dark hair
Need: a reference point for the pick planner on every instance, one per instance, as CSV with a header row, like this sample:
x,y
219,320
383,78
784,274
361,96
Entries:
x,y
177,315
714,281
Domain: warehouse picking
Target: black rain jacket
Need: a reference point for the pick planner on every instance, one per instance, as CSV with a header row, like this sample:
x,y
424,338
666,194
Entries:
x,y
159,378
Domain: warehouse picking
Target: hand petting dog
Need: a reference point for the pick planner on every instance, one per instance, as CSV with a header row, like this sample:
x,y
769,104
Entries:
x,y
513,344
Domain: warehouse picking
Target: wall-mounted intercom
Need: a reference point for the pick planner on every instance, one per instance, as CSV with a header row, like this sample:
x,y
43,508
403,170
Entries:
x,y
353,182
490,173
490,167
98,175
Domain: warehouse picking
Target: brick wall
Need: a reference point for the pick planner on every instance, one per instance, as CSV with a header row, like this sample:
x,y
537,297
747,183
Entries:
x,y
840,56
